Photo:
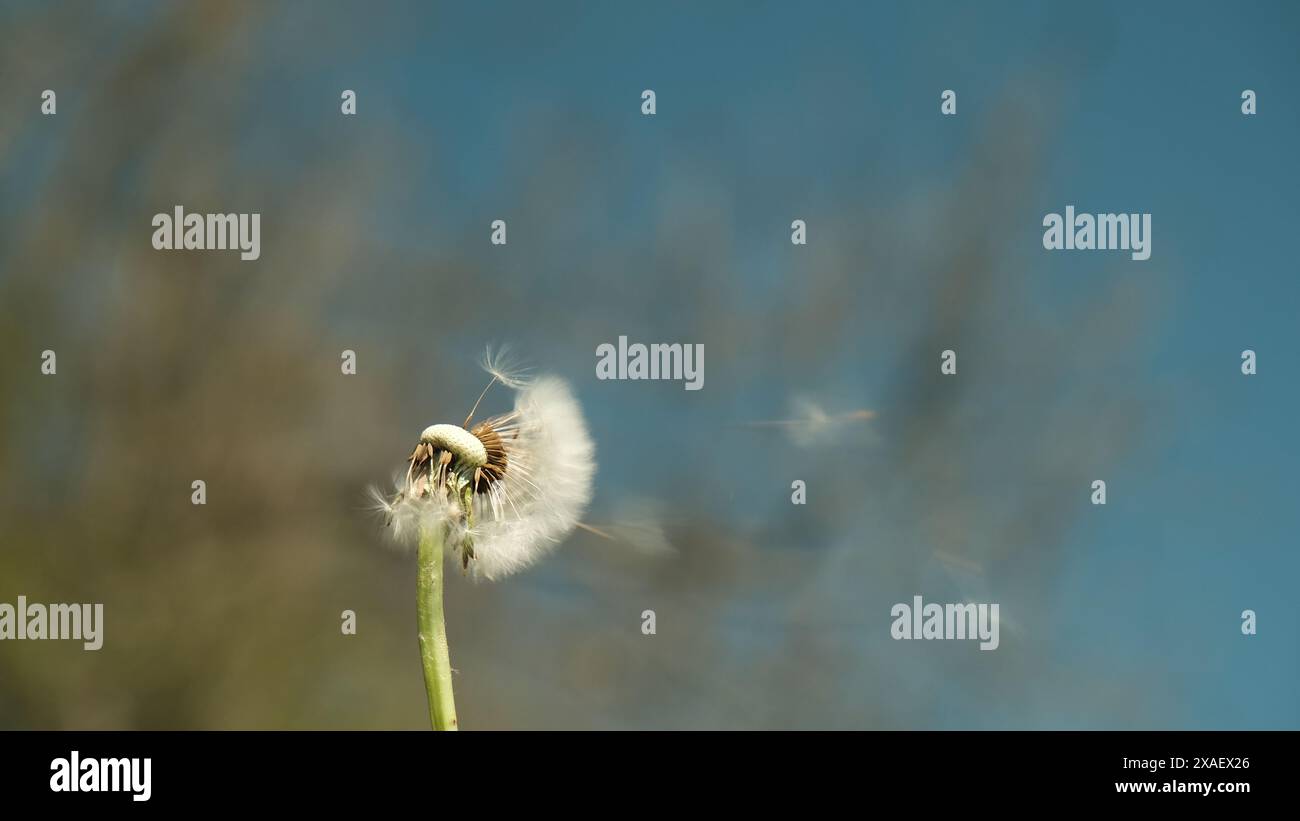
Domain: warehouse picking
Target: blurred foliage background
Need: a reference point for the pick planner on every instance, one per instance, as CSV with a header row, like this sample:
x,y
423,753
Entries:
x,y
923,236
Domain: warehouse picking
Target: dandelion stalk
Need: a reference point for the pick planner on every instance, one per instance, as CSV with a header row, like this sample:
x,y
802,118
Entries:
x,y
433,627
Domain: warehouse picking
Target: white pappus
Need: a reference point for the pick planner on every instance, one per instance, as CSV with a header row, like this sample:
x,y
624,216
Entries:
x,y
506,489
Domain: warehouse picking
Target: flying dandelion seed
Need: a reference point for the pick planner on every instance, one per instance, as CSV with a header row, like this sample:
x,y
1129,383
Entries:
x,y
812,425
498,494
641,538
951,562
635,525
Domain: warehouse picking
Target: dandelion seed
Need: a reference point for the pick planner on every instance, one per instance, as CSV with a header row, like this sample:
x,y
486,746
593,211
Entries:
x,y
635,525
505,367
812,425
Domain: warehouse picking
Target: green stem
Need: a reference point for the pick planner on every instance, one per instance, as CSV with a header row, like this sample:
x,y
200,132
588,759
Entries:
x,y
433,628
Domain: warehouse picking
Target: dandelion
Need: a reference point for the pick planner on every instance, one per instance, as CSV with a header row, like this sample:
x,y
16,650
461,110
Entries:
x,y
496,495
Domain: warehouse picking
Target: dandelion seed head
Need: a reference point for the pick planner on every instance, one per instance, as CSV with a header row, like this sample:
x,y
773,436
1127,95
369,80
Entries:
x,y
506,490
